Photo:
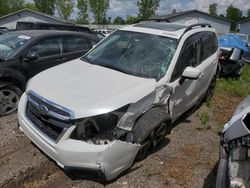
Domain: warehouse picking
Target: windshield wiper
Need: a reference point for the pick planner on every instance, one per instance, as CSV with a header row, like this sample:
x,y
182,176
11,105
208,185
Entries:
x,y
88,60
113,67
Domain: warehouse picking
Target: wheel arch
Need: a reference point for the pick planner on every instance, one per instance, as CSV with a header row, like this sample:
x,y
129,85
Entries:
x,y
9,76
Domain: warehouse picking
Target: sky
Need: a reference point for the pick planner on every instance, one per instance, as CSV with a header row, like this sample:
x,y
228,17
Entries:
x,y
129,7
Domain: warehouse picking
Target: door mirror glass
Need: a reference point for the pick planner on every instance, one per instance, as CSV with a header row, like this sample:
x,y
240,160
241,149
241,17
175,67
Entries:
x,y
31,56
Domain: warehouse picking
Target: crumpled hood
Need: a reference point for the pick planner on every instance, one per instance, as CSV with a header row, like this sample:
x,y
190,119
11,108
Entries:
x,y
89,90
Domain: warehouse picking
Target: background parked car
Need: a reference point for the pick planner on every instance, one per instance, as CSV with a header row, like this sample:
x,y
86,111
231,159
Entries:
x,y
233,48
104,32
23,54
3,30
234,165
51,26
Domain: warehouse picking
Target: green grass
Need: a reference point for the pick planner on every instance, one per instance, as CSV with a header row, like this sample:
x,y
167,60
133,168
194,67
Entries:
x,y
204,118
237,87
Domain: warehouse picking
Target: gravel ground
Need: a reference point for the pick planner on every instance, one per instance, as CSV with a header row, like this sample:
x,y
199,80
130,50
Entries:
x,y
188,157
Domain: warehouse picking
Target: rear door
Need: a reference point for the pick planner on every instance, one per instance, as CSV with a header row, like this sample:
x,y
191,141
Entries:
x,y
50,52
76,46
209,58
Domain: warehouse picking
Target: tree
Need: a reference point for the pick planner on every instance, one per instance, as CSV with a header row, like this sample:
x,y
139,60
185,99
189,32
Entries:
x,y
248,13
83,11
45,6
64,8
31,6
119,20
99,9
213,8
131,19
233,14
147,8
10,6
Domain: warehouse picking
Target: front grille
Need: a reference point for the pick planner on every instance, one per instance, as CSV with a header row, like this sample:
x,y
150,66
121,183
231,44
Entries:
x,y
53,122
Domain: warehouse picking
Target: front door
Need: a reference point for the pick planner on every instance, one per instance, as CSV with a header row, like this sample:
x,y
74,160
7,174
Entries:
x,y
186,94
50,53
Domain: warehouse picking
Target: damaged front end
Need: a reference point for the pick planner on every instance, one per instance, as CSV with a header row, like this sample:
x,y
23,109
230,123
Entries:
x,y
234,166
103,144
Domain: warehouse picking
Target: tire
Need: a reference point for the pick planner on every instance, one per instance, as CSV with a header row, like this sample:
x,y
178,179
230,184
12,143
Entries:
x,y
9,98
149,130
211,89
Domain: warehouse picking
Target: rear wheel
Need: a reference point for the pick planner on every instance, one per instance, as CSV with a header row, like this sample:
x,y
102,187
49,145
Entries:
x,y
9,98
149,130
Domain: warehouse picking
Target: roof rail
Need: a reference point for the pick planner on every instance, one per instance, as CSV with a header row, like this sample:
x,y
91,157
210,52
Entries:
x,y
196,25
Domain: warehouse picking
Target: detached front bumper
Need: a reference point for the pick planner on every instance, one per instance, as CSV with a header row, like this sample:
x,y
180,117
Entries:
x,y
110,159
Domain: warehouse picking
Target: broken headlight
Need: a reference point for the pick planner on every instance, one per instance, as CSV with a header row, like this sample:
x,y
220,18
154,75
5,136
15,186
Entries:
x,y
100,129
239,148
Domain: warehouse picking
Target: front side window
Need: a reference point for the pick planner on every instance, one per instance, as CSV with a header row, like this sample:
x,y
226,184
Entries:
x,y
47,47
190,56
138,54
10,43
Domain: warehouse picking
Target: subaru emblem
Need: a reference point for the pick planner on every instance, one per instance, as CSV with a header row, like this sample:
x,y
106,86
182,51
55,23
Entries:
x,y
43,109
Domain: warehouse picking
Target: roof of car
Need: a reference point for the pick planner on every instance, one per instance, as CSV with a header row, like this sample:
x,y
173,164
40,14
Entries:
x,y
161,25
173,30
36,33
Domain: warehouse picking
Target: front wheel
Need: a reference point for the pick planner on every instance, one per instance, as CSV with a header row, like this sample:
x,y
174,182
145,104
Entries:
x,y
9,98
149,130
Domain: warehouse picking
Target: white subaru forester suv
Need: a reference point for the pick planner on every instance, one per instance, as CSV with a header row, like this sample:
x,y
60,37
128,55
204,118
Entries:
x,y
98,113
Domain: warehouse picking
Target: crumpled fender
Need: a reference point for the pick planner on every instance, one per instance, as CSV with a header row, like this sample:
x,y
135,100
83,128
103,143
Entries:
x,y
159,97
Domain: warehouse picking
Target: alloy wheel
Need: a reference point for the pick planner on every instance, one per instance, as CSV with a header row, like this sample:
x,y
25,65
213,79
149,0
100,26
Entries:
x,y
8,101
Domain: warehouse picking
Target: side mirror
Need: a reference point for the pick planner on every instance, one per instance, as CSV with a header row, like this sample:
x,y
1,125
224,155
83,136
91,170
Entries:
x,y
190,73
31,56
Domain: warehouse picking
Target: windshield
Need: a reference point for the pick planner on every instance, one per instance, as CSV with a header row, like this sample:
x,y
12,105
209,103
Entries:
x,y
10,43
138,54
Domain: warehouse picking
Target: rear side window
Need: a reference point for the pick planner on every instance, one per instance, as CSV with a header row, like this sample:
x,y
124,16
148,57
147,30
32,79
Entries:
x,y
48,47
209,44
75,44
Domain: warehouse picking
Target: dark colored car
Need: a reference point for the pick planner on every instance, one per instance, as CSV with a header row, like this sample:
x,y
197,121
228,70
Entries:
x,y
51,26
23,54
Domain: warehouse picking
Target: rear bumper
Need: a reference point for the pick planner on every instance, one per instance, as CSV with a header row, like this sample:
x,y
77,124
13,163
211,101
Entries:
x,y
110,159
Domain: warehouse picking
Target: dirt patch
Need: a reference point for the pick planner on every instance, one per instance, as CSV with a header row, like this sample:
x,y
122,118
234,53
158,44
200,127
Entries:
x,y
224,107
175,172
